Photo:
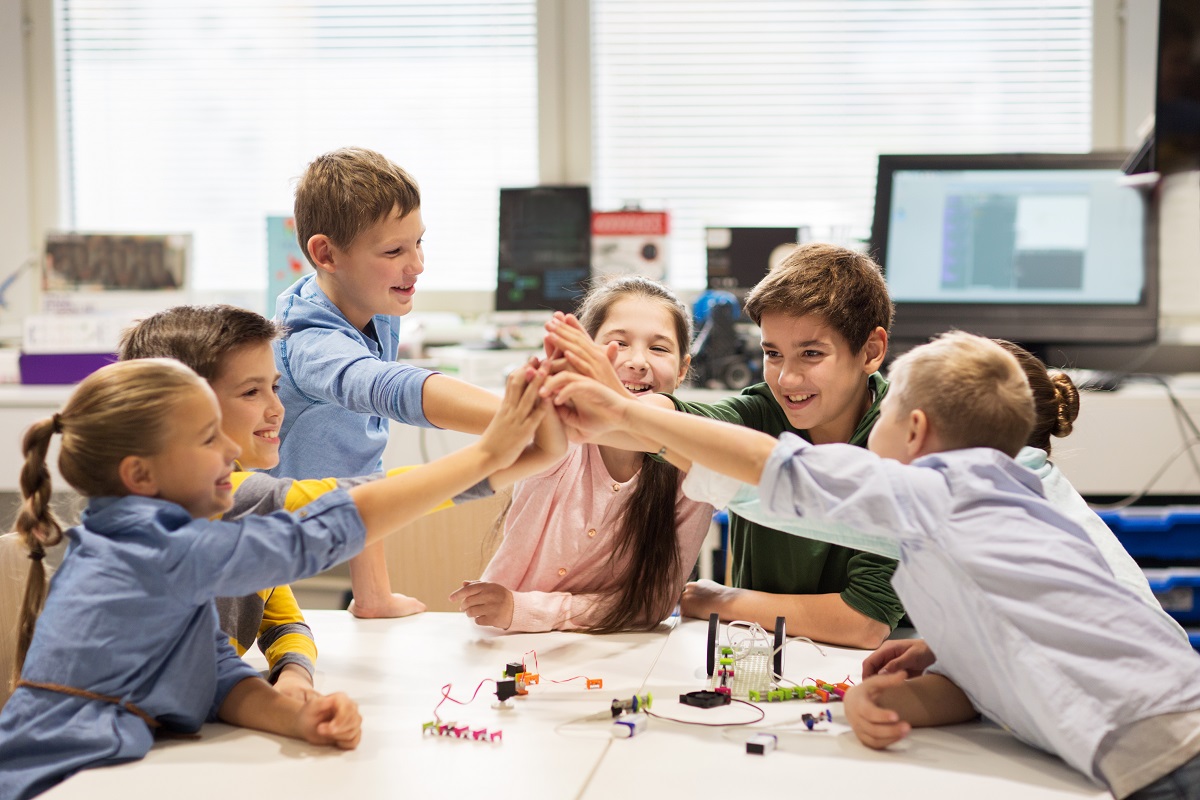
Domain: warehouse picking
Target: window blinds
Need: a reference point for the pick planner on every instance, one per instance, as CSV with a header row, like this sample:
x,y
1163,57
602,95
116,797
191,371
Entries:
x,y
198,116
772,112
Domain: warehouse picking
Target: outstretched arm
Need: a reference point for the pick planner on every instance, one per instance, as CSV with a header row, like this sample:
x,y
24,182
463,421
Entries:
x,y
821,617
388,504
738,452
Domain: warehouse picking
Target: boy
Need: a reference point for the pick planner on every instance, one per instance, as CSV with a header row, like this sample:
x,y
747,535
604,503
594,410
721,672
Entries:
x,y
1030,627
358,220
231,348
824,313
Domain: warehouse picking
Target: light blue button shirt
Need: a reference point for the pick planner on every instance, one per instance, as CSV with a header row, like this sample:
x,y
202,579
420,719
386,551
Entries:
x,y
339,387
1023,612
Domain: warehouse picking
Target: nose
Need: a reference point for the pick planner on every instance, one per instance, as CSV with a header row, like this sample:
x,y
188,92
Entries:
x,y
275,410
637,358
417,265
232,450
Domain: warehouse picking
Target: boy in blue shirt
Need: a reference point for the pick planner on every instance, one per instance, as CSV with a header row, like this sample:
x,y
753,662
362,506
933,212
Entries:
x,y
358,220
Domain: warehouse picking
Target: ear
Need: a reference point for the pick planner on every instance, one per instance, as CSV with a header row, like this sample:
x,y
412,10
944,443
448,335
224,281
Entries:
x,y
919,436
137,476
875,350
683,369
321,251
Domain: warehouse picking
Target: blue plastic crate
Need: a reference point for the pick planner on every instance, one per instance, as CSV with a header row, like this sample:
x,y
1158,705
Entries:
x,y
1178,591
1167,533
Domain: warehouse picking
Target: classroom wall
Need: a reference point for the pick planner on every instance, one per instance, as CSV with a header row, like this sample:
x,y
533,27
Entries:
x,y
16,242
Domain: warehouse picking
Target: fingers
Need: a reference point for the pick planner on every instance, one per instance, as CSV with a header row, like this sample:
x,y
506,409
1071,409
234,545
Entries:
x,y
342,725
880,735
883,681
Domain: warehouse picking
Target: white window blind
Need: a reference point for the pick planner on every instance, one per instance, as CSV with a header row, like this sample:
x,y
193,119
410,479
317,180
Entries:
x,y
772,112
199,116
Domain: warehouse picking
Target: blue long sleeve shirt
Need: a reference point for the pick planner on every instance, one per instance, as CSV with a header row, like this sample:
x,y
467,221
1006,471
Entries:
x,y
339,387
130,614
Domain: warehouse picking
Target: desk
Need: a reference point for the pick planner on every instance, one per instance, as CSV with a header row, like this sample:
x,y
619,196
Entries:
x,y
557,741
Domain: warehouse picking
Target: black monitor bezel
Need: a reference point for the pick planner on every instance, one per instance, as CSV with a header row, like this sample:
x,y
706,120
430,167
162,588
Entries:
x,y
1027,323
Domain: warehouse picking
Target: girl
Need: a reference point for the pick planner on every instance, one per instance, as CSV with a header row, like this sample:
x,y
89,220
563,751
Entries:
x,y
603,541
128,642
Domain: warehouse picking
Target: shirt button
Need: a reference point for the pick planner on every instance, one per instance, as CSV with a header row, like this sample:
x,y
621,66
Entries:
x,y
616,487
562,571
591,533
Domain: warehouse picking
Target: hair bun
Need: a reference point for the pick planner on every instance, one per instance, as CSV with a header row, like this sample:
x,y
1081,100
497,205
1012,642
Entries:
x,y
1067,396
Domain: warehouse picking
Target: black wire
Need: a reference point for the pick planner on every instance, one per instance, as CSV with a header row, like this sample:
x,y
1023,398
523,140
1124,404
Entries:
x,y
761,716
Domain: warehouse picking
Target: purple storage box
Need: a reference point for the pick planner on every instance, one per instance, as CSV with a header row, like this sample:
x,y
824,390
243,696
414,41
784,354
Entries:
x,y
61,368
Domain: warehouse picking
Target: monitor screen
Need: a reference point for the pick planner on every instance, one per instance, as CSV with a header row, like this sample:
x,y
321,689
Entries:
x,y
1037,248
545,254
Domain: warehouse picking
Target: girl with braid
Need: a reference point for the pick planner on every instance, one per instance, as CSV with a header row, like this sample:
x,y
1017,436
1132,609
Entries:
x,y
127,642
604,540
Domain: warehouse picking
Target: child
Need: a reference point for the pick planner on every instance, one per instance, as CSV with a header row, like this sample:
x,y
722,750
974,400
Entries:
x,y
604,541
824,314
1030,626
230,347
358,220
142,440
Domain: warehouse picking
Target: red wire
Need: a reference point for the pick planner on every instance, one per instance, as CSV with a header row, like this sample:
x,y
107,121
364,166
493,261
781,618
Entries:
x,y
446,696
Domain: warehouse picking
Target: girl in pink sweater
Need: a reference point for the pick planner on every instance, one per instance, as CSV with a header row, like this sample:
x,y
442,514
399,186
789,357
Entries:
x,y
604,540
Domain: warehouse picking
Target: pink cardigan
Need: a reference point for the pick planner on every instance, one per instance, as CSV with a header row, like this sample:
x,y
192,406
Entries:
x,y
559,537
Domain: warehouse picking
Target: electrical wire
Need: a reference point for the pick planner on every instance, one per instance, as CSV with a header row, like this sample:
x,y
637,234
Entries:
x,y
761,716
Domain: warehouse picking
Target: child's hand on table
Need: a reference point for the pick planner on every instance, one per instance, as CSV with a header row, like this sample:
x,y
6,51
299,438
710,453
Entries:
x,y
395,605
294,681
913,656
875,726
704,597
487,603
331,719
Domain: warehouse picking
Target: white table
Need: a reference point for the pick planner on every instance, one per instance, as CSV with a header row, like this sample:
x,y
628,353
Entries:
x,y
557,741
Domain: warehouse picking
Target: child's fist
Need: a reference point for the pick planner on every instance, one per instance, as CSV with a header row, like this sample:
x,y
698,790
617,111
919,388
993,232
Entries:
x,y
875,726
331,719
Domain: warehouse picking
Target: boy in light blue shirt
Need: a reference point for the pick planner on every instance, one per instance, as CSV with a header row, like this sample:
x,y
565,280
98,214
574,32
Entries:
x,y
358,220
1030,627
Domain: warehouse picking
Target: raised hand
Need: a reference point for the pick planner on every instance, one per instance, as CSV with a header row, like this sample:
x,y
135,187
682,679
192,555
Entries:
x,y
520,412
579,353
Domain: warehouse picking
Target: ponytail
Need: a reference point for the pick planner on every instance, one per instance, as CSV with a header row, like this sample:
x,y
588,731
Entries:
x,y
37,526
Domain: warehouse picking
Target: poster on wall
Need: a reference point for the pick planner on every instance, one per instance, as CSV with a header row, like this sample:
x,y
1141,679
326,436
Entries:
x,y
286,263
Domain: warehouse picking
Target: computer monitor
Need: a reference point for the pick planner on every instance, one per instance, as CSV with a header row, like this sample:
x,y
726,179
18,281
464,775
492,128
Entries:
x,y
1041,249
545,255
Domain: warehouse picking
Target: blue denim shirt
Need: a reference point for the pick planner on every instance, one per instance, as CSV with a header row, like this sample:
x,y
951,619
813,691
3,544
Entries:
x,y
339,387
130,614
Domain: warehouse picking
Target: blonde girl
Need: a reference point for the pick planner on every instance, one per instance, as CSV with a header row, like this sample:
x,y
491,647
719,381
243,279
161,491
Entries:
x,y
127,642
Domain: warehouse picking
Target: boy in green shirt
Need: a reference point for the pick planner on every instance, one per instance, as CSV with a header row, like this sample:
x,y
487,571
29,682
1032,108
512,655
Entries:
x,y
825,314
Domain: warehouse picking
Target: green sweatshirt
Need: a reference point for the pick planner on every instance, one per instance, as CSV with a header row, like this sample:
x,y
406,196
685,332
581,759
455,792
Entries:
x,y
768,560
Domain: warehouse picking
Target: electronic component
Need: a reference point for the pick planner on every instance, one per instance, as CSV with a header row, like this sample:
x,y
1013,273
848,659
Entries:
x,y
705,699
632,705
629,725
760,744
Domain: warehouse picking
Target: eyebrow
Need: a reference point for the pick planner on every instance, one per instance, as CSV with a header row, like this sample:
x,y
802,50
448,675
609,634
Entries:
x,y
623,332
258,379
800,345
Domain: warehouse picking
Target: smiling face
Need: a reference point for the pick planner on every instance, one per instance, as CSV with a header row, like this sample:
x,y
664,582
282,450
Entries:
x,y
820,384
193,468
247,389
649,355
377,273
